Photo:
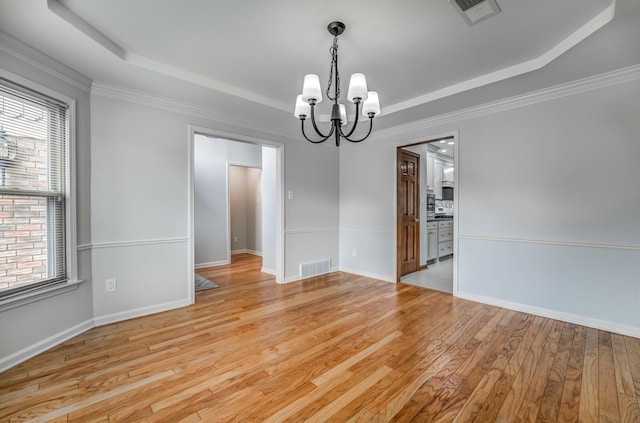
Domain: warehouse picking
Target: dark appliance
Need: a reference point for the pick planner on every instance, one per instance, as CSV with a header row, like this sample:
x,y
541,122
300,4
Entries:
x,y
447,193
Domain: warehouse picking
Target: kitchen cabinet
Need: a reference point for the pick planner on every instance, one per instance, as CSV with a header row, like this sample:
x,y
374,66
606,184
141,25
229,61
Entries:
x,y
429,172
447,172
437,179
432,241
445,238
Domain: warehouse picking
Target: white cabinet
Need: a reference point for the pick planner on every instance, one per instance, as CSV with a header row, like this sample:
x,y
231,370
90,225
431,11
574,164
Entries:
x,y
437,179
429,172
447,172
445,238
432,240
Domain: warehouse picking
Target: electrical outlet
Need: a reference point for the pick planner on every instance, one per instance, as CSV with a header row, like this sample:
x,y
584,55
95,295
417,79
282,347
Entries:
x,y
235,239
354,252
290,195
111,285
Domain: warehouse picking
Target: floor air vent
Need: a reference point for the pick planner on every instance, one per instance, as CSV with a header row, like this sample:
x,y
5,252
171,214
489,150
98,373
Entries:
x,y
474,11
315,268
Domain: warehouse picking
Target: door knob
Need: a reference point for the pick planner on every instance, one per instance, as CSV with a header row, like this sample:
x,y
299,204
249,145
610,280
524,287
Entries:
x,y
417,219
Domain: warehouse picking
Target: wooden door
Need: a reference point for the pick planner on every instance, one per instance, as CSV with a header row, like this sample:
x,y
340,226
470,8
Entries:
x,y
408,218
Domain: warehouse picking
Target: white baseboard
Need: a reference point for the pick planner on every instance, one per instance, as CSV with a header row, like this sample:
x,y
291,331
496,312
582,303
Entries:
x,y
384,278
296,278
554,314
269,271
139,312
246,251
41,346
212,264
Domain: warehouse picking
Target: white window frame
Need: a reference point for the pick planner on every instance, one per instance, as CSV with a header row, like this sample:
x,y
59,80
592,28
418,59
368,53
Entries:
x,y
72,281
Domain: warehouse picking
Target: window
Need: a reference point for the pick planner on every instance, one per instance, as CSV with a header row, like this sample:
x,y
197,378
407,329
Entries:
x,y
34,131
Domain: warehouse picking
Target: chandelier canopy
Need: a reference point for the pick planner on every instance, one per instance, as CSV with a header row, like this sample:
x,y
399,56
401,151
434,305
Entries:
x,y
358,94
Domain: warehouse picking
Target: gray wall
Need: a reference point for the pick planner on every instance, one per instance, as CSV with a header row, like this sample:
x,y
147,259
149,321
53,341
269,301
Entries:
x,y
547,206
28,329
140,218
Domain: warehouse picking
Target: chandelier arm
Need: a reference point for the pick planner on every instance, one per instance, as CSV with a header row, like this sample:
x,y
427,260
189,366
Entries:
x,y
366,136
315,126
315,141
355,123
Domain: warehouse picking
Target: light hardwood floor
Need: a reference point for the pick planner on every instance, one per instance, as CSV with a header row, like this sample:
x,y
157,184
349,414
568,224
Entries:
x,y
337,347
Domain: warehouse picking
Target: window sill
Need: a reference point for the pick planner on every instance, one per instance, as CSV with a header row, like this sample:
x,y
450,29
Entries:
x,y
31,297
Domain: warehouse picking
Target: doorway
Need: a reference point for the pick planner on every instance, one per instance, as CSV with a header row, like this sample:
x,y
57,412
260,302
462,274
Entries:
x,y
245,210
271,188
437,227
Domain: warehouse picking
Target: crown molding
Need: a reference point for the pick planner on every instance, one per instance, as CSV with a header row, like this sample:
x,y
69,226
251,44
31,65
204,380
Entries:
x,y
616,77
536,63
38,60
131,58
137,60
116,92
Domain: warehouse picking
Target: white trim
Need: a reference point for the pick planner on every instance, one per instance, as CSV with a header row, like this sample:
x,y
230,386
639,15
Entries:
x,y
247,251
553,314
552,242
33,57
39,294
367,231
131,95
384,278
212,264
530,65
134,243
309,231
43,345
268,271
140,312
191,253
616,77
297,278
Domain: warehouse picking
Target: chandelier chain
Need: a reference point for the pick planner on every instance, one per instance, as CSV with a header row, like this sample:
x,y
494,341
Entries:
x,y
334,64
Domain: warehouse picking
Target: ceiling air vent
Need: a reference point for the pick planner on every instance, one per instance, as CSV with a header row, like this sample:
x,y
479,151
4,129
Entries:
x,y
474,11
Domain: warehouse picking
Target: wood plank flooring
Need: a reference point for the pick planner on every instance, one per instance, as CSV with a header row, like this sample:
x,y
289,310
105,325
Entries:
x,y
339,348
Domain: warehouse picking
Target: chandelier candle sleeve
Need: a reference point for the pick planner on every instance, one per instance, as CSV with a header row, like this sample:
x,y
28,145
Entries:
x,y
312,95
357,87
302,108
311,89
371,104
343,115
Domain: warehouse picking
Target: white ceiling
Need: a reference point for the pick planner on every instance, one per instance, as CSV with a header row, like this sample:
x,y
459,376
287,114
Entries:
x,y
249,57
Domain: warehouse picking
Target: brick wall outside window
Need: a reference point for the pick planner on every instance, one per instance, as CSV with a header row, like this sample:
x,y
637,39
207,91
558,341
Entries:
x,y
23,219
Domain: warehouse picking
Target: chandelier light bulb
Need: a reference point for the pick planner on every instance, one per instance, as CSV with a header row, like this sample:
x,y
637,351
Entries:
x,y
343,115
371,104
311,88
302,107
357,87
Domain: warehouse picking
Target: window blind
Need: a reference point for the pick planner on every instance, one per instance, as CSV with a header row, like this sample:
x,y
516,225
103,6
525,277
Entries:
x,y
33,197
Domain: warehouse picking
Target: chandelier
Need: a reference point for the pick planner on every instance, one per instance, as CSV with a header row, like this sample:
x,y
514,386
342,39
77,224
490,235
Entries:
x,y
358,94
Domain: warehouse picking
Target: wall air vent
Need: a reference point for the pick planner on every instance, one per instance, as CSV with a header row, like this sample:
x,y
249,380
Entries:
x,y
315,268
474,11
